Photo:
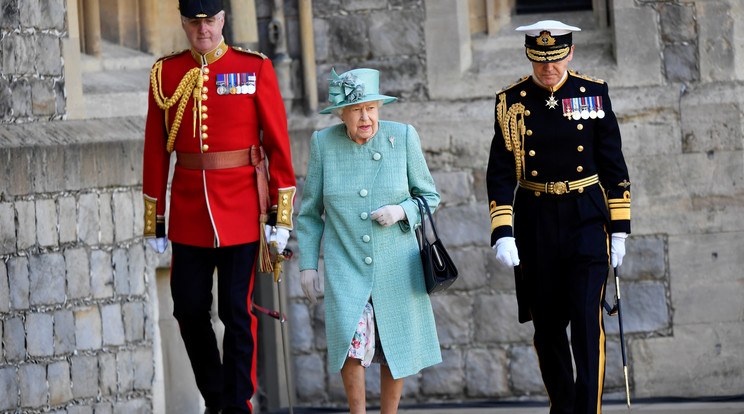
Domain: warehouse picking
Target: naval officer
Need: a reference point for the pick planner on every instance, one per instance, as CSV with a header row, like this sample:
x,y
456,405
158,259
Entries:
x,y
557,141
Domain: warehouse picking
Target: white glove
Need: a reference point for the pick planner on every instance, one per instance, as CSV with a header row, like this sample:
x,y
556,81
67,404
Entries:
x,y
158,244
311,284
506,251
617,250
280,237
388,215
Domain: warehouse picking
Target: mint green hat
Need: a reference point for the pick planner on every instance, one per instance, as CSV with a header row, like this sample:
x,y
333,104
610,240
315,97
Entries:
x,y
353,87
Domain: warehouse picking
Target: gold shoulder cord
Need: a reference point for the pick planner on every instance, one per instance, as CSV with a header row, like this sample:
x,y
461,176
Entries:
x,y
191,81
512,127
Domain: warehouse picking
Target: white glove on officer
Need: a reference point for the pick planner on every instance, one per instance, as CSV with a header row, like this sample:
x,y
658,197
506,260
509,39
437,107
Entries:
x,y
617,249
280,237
158,244
310,282
388,215
506,251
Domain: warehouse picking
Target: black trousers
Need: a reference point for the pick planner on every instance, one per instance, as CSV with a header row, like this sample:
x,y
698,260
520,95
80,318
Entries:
x,y
564,248
229,383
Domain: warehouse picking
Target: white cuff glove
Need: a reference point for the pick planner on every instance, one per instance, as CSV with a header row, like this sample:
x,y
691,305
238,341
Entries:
x,y
280,237
617,249
311,284
506,251
158,244
388,215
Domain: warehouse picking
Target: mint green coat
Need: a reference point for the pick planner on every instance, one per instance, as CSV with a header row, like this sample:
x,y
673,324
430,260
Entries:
x,y
345,183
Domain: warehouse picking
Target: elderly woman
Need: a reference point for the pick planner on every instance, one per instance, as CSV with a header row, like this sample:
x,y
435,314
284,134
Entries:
x,y
361,178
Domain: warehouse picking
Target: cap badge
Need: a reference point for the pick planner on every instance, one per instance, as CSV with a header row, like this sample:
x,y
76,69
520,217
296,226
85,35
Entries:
x,y
201,15
546,39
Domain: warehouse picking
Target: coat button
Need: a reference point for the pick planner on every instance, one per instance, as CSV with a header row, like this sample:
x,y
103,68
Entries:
x,y
205,147
204,135
363,193
366,238
526,112
364,215
580,148
377,156
579,168
529,132
205,70
204,108
579,127
368,260
534,173
204,128
532,153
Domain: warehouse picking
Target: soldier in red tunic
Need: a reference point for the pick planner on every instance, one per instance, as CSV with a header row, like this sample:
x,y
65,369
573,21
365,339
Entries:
x,y
212,105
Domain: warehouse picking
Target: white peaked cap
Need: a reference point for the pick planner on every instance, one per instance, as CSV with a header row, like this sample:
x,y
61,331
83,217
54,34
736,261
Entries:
x,y
555,28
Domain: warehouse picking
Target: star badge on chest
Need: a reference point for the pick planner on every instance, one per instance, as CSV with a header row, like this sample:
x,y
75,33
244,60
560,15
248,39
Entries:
x,y
551,103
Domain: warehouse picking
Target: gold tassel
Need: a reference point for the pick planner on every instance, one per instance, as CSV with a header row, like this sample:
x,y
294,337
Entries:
x,y
264,257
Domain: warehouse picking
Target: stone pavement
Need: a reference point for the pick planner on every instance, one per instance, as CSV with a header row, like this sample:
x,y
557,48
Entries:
x,y
722,406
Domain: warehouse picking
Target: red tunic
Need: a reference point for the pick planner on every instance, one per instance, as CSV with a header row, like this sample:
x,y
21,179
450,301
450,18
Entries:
x,y
214,208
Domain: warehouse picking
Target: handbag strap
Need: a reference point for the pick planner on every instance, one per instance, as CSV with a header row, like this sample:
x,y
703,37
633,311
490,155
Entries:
x,y
424,210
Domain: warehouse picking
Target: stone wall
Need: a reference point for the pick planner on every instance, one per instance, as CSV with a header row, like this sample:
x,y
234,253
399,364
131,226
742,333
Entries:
x,y
75,288
31,83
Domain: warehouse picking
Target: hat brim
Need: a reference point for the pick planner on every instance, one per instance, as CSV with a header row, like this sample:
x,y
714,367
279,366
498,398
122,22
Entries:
x,y
367,98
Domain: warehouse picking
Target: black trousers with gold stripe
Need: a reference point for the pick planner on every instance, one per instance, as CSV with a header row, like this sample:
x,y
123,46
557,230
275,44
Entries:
x,y
563,248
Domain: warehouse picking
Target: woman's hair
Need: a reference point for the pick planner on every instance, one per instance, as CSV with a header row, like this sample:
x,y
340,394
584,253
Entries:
x,y
340,110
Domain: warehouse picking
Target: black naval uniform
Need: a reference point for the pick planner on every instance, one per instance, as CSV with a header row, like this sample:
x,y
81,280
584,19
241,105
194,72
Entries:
x,y
573,191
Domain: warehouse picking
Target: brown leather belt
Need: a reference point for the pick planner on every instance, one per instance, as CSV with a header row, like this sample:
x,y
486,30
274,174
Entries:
x,y
214,160
560,187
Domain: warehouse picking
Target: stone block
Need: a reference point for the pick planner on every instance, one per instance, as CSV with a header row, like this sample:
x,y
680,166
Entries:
x,y
638,49
454,187
645,259
137,269
67,219
60,387
134,321
47,279
447,377
6,97
102,275
495,318
78,409
88,221
363,5
308,370
394,34
121,271
33,385
711,119
486,373
320,30
4,290
14,340
123,216
64,332
84,372
471,269
635,135
714,371
302,330
105,214
716,53
144,368
10,16
680,63
103,407
644,306
614,377
677,22
524,371
8,388
30,13
348,36
88,330
113,326
136,405
335,387
39,335
125,371
20,102
26,216
454,319
53,14
7,228
18,282
138,214
319,326
501,278
19,54
43,100
107,366
705,278
464,232
77,273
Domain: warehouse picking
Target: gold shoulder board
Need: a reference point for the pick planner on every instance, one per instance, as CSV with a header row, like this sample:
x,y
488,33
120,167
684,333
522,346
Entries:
x,y
249,52
172,54
581,76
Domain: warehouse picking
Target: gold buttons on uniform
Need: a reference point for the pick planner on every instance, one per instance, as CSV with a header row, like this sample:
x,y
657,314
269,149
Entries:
x,y
204,116
204,97
526,112
205,147
582,89
579,127
523,94
206,78
206,70
580,148
204,108
537,194
205,89
529,132
532,153
579,168
204,135
534,173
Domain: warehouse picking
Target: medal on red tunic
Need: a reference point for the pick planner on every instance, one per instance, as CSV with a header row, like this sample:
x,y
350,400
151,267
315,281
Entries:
x,y
221,84
251,87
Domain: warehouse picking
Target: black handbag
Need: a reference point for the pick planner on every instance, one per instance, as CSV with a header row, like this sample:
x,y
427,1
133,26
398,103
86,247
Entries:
x,y
439,269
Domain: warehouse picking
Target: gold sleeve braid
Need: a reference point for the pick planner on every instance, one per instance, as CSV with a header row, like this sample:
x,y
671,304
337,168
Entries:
x,y
192,82
284,207
512,126
620,207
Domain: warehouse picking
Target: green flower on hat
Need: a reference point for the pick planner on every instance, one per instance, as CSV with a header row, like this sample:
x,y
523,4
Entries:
x,y
354,87
347,88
